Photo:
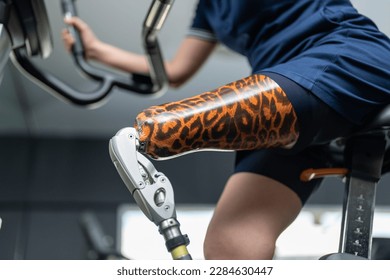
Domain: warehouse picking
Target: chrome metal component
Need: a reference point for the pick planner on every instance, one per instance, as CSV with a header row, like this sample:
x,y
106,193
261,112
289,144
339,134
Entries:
x,y
357,223
170,229
157,14
159,197
5,47
151,189
15,30
43,28
153,22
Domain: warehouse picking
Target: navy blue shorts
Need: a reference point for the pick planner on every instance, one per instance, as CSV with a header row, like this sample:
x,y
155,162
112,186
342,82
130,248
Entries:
x,y
318,125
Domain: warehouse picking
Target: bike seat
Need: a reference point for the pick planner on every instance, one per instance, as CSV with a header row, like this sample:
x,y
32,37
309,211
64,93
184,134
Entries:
x,y
380,122
335,151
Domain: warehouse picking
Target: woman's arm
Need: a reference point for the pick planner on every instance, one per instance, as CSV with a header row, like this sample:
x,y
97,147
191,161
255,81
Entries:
x,y
189,57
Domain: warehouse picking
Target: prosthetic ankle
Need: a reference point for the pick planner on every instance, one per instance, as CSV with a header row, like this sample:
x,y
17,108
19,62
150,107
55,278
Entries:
x,y
251,113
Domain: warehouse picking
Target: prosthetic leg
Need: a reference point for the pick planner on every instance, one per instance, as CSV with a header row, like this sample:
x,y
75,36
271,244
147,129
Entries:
x,y
248,114
251,113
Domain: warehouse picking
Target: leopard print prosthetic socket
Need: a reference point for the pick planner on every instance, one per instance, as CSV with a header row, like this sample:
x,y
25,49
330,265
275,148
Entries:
x,y
251,113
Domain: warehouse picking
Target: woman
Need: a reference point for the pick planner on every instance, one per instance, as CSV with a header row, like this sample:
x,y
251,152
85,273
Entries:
x,y
319,70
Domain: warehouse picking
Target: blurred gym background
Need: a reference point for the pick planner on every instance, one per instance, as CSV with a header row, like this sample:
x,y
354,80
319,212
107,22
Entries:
x,y
54,161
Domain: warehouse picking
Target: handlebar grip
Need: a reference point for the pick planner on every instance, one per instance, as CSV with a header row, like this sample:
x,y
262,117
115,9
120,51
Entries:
x,y
157,14
69,10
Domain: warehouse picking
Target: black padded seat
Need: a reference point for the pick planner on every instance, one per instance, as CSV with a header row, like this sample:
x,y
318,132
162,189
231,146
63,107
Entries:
x,y
380,121
366,155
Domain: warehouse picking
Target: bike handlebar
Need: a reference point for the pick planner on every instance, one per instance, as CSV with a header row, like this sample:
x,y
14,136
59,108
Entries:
x,y
156,84
69,10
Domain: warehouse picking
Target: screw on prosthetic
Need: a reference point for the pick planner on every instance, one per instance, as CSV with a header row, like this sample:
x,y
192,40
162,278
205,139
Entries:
x,y
251,113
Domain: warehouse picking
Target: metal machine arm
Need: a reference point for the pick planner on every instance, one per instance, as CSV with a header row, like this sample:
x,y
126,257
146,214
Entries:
x,y
151,189
31,16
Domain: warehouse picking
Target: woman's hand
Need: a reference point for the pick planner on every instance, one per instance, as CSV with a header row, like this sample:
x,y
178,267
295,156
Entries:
x,y
190,56
90,41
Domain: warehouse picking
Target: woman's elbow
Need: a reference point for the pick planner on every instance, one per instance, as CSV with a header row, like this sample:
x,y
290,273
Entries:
x,y
177,76
176,84
176,81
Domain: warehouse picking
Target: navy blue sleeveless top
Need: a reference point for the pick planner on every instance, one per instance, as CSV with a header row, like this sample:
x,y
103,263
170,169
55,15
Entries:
x,y
325,46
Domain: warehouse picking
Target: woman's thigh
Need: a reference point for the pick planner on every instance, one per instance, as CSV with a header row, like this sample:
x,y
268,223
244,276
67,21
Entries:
x,y
252,212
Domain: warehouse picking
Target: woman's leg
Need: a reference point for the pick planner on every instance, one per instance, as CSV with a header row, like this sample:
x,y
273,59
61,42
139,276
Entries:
x,y
250,215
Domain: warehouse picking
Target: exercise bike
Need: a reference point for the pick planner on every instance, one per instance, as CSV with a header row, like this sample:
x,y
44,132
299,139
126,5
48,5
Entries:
x,y
25,33
362,158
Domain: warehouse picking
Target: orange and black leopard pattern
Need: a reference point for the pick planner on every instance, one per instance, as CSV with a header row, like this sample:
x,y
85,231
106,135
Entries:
x,y
250,113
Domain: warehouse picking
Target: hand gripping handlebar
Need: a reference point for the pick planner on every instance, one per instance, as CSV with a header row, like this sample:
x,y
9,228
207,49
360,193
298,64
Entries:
x,y
156,84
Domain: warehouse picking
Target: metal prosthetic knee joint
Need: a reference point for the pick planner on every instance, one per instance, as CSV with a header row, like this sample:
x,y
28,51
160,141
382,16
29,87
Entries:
x,y
151,189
